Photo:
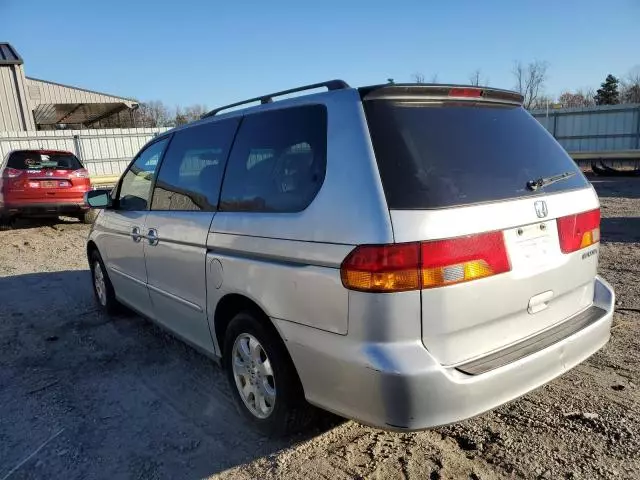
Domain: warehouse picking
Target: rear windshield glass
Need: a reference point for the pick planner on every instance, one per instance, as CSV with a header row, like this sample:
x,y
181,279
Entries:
x,y
35,160
448,154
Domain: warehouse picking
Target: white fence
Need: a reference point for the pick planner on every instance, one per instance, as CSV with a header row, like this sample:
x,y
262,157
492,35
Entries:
x,y
105,152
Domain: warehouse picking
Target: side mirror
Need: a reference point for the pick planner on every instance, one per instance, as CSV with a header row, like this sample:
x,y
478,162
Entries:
x,y
98,198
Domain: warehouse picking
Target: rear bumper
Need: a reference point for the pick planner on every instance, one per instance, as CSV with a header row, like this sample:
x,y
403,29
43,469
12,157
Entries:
x,y
44,208
400,386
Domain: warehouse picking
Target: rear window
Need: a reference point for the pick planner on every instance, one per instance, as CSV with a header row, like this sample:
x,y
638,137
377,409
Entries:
x,y
278,161
436,155
37,160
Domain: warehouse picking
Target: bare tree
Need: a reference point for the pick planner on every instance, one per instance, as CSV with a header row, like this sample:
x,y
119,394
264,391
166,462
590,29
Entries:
x,y
188,114
418,77
152,114
180,118
589,96
542,102
475,78
579,99
434,78
630,92
530,80
195,111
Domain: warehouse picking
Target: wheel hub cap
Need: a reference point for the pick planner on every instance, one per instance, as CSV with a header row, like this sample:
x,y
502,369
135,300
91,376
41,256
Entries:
x,y
99,284
253,375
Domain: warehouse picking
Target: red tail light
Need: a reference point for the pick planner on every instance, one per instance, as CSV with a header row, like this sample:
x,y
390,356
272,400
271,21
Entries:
x,y
412,266
11,173
465,92
382,268
579,231
81,173
445,262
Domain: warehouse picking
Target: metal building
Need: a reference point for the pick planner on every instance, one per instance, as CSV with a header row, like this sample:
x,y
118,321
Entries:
x,y
31,104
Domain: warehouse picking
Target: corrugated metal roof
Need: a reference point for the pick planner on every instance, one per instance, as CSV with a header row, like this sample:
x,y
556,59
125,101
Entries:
x,y
52,92
8,55
49,114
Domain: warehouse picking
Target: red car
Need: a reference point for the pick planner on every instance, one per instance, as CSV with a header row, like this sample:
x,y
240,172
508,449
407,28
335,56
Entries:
x,y
43,183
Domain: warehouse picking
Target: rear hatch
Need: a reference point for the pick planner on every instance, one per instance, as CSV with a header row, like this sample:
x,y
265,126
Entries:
x,y
508,225
43,175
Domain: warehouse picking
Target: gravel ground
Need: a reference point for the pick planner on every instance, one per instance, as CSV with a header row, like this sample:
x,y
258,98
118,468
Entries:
x,y
86,396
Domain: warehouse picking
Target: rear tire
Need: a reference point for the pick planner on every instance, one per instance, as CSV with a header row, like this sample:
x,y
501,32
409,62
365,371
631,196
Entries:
x,y
102,288
88,217
263,380
6,223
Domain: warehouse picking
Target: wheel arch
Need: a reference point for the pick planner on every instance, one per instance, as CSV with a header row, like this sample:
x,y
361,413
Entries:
x,y
91,247
229,306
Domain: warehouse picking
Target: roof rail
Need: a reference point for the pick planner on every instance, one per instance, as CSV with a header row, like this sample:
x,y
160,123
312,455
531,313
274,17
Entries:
x,y
330,85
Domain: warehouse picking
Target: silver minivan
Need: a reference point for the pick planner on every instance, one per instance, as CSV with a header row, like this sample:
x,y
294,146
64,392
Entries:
x,y
403,255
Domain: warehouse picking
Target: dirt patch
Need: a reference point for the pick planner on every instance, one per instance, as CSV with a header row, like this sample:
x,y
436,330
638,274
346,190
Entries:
x,y
96,397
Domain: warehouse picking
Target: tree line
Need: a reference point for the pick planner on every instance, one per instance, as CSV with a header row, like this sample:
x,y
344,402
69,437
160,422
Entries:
x,y
153,113
530,80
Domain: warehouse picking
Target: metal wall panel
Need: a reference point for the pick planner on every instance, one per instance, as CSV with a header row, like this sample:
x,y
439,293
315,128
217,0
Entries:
x,y
104,152
14,110
598,129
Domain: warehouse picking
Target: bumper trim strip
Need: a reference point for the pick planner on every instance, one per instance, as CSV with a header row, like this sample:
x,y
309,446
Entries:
x,y
533,344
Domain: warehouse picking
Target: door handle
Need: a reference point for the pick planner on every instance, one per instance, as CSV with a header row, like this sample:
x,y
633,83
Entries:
x,y
152,237
135,234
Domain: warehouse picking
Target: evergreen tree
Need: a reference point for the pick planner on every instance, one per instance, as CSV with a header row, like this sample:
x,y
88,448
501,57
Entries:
x,y
608,92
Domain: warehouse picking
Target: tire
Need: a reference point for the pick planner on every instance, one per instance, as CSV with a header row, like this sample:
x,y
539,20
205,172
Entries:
x,y
288,412
6,222
88,217
105,296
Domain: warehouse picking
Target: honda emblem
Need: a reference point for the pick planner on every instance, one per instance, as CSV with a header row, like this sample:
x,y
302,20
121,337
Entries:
x,y
541,208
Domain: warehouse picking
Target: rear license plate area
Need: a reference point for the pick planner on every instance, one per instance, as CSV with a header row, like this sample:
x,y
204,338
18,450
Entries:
x,y
532,246
48,184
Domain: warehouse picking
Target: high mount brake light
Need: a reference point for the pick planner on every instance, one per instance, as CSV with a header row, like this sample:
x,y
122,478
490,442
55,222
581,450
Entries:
x,y
465,92
413,266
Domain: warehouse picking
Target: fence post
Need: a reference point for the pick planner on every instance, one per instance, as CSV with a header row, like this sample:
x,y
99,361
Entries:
x,y
638,128
76,146
555,124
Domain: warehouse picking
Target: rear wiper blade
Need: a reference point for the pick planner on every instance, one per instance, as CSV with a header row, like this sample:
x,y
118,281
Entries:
x,y
544,181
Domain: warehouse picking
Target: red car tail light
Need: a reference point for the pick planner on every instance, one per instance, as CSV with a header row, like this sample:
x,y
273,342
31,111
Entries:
x,y
579,231
413,266
11,173
81,173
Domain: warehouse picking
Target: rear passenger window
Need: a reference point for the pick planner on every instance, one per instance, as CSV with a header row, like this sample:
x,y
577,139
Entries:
x,y
191,172
278,161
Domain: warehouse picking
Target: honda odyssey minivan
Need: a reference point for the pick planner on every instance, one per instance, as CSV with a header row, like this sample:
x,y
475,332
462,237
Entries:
x,y
403,255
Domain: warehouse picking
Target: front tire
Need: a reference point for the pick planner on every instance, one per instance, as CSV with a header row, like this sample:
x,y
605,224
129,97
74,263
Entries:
x,y
88,217
102,287
263,381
